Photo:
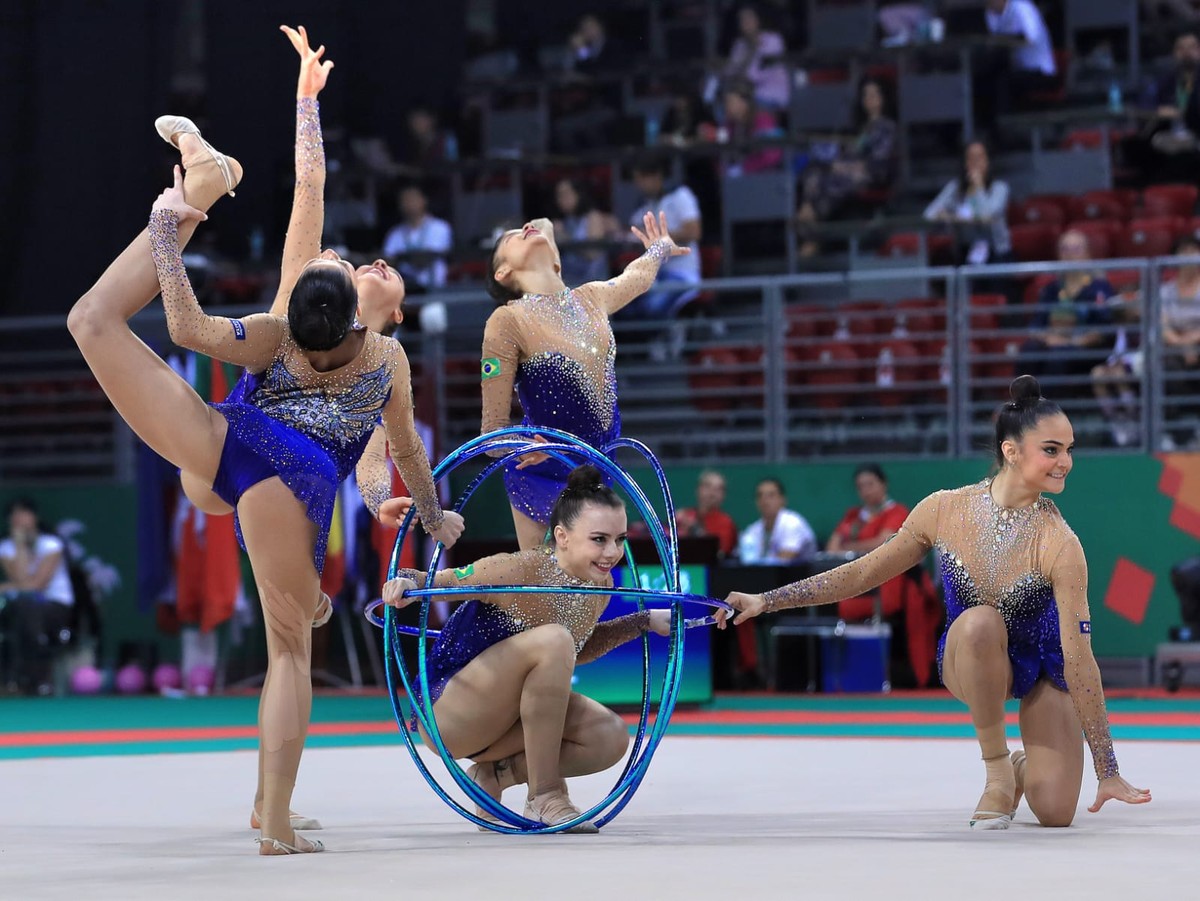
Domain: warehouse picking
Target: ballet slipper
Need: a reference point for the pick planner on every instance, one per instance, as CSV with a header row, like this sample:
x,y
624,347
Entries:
x,y
169,126
1018,762
281,848
295,820
995,807
484,775
555,807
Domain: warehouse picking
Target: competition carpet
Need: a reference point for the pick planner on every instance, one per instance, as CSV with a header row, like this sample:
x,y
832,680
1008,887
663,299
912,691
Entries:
x,y
761,797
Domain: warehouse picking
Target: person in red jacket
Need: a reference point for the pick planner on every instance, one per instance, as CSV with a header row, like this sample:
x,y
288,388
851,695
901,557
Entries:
x,y
865,528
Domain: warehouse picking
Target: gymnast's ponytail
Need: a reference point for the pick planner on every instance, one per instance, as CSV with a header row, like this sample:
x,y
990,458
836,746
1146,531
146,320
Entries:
x,y
585,485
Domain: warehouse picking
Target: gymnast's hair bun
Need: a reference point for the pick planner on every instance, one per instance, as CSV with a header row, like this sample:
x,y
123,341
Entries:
x,y
1025,390
585,479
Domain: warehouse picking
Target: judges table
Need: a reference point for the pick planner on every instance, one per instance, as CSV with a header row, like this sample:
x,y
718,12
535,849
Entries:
x,y
810,623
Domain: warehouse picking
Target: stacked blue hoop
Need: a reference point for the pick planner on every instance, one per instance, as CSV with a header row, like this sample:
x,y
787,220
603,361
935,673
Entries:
x,y
563,446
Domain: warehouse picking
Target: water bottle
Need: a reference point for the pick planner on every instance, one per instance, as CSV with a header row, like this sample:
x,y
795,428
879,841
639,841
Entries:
x,y
651,131
257,241
451,147
1114,97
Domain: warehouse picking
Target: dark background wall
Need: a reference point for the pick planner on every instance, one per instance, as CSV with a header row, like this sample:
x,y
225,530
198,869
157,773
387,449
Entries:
x,y
83,80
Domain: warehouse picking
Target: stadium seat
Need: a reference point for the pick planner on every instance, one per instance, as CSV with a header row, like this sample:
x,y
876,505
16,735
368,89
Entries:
x,y
1150,237
1097,205
808,321
1169,200
1033,290
897,367
833,370
714,379
1123,279
1035,242
1035,210
863,318
985,311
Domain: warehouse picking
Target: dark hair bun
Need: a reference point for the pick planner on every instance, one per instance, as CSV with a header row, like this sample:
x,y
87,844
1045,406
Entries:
x,y
1025,390
585,479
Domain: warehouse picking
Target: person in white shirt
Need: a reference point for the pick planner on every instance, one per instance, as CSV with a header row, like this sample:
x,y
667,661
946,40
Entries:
x,y
1008,75
419,233
37,589
782,535
682,210
757,55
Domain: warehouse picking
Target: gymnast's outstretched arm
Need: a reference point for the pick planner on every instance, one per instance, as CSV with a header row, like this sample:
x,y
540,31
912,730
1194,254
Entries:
x,y
902,551
303,242
639,275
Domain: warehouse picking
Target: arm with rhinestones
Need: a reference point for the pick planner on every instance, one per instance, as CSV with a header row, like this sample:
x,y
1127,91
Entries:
x,y
498,569
1069,577
634,281
406,448
498,370
897,555
612,633
249,342
372,473
307,221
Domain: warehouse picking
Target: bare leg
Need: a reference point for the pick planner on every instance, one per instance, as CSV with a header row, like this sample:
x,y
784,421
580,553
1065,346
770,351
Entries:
x,y
977,671
279,539
530,534
157,404
594,738
1053,738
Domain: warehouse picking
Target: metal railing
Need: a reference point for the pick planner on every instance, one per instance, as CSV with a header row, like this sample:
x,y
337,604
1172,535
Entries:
x,y
898,362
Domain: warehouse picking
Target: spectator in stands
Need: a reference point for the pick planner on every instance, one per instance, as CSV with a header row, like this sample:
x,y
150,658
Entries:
x,y
1167,149
865,528
757,56
744,122
1181,337
1004,78
1115,381
867,161
682,121
707,517
977,204
781,535
579,220
426,142
679,204
420,242
592,51
1072,314
37,588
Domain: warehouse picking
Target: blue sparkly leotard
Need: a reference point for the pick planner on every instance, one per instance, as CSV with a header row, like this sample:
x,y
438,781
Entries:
x,y
559,354
477,625
1026,563
286,419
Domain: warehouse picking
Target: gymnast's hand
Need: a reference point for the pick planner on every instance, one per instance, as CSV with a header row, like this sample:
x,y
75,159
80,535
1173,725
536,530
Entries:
x,y
1115,788
656,230
172,199
393,510
313,72
394,592
534,458
746,605
660,622
449,531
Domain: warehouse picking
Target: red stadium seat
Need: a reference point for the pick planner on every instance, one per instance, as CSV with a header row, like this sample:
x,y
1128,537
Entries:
x,y
1035,242
920,319
897,366
833,369
808,321
1034,210
1097,205
863,318
1169,200
713,379
1034,289
1092,138
985,311
712,256
1150,237
1123,280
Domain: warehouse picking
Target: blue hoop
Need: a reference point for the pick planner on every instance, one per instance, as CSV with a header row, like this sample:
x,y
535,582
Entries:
x,y
567,448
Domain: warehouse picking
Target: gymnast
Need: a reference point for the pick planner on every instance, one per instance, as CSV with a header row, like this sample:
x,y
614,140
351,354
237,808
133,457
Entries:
x,y
500,672
555,344
277,449
1017,617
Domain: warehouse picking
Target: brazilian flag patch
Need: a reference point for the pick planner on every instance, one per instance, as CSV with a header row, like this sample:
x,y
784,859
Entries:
x,y
463,571
489,369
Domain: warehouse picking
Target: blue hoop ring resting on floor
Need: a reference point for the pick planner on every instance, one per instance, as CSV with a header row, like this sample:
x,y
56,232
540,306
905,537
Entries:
x,y
514,442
